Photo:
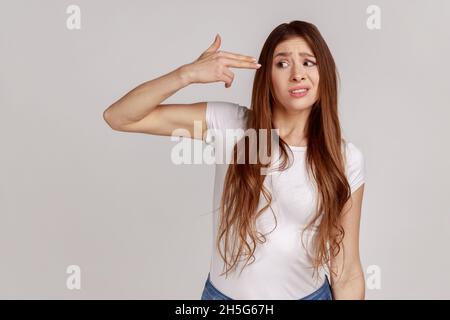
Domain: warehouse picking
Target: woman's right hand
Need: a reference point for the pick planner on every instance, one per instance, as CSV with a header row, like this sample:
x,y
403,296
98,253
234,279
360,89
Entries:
x,y
212,65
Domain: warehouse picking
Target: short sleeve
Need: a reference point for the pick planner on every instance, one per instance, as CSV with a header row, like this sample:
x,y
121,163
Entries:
x,y
355,167
221,115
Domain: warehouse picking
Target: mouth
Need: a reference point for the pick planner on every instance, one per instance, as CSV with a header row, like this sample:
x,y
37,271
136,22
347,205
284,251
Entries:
x,y
298,93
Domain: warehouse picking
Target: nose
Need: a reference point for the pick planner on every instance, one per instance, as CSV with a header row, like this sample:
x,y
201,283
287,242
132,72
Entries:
x,y
299,78
299,74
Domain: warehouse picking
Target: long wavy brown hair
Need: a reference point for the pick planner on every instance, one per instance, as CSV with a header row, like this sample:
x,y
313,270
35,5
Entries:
x,y
325,160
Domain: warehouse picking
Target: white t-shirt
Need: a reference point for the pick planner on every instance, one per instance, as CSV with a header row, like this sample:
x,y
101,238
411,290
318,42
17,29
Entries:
x,y
282,269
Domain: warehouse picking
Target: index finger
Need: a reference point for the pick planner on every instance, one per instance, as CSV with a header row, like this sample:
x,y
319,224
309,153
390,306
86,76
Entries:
x,y
233,55
236,63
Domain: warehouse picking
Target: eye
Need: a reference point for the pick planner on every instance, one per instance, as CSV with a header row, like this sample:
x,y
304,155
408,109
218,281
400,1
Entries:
x,y
280,64
312,63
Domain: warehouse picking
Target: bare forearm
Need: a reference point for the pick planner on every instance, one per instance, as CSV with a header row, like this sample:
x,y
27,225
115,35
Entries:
x,y
351,289
140,101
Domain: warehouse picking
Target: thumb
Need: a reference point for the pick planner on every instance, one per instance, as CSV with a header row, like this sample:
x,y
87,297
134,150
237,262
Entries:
x,y
216,44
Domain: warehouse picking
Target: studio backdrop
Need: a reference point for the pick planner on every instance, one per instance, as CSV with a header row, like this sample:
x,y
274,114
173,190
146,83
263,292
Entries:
x,y
87,212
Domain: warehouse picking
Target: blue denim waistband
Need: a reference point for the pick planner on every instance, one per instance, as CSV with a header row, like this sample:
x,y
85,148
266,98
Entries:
x,y
210,292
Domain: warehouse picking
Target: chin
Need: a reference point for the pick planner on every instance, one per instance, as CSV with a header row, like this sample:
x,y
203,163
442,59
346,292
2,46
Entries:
x,y
298,105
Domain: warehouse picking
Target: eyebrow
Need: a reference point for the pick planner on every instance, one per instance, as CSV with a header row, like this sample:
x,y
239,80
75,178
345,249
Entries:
x,y
286,54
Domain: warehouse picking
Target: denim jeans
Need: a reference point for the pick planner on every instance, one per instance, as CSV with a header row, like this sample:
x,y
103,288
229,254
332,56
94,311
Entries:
x,y
212,293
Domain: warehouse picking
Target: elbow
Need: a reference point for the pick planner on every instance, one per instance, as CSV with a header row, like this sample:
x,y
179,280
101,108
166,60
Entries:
x,y
110,120
350,287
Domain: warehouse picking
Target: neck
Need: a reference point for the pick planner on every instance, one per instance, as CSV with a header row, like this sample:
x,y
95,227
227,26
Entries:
x,y
291,125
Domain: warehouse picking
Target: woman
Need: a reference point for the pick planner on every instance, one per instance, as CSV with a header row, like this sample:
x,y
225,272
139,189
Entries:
x,y
299,224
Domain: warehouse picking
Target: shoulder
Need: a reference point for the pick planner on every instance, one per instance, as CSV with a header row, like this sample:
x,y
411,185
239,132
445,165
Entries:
x,y
225,115
354,165
352,152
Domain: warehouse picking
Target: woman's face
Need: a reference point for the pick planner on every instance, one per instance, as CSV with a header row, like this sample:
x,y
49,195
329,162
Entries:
x,y
296,66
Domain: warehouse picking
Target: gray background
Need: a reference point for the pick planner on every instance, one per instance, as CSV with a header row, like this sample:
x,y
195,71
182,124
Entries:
x,y
72,191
